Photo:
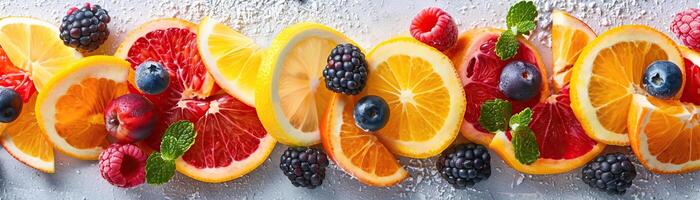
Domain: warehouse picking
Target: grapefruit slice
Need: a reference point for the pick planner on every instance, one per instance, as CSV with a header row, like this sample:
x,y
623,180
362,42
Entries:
x,y
569,36
290,95
22,138
479,69
360,154
664,134
691,91
562,142
609,71
231,141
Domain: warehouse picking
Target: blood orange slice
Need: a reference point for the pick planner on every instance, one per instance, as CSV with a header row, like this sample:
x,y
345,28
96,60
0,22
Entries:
x,y
479,69
230,138
691,91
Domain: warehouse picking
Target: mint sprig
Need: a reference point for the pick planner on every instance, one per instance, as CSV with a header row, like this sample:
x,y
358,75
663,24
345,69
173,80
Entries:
x,y
520,20
495,116
178,138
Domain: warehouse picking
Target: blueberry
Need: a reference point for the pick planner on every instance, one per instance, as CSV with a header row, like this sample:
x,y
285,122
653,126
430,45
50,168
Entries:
x,y
152,78
520,81
371,113
662,79
10,105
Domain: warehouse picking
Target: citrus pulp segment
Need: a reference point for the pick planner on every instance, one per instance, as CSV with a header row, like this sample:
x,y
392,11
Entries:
x,y
609,71
231,58
25,142
424,96
360,154
664,133
290,97
569,36
691,91
34,47
70,110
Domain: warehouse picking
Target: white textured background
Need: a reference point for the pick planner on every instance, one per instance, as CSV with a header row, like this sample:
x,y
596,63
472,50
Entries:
x,y
368,22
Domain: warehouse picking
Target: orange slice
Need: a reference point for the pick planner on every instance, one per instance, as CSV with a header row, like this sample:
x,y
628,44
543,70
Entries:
x,y
569,36
609,71
24,140
664,134
70,109
360,154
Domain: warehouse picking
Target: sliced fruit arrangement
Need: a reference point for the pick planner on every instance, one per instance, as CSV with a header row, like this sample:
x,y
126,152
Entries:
x,y
480,69
230,140
609,72
663,133
231,58
569,36
22,137
70,110
34,47
290,97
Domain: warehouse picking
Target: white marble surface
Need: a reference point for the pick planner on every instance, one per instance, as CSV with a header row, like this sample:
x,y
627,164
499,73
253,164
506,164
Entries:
x,y
368,22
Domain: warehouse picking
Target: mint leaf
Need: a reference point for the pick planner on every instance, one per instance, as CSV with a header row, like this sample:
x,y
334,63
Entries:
x,y
525,145
520,12
494,115
507,45
178,138
159,170
521,119
524,27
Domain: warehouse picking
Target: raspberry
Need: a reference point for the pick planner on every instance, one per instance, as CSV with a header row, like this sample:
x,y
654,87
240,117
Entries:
x,y
434,27
123,165
686,26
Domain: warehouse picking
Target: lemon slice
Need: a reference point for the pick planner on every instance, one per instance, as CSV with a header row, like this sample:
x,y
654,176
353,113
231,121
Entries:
x,y
34,47
231,58
424,94
607,74
71,108
290,97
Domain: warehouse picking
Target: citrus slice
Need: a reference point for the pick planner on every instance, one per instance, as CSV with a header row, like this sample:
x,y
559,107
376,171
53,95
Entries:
x,y
70,109
231,58
479,70
664,133
290,96
358,153
609,71
569,36
231,141
691,91
562,142
423,93
34,47
22,138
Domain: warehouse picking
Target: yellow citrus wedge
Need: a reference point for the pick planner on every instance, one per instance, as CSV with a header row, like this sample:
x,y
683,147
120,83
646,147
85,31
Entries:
x,y
360,154
34,46
70,109
424,94
25,142
569,36
609,71
231,58
291,97
664,134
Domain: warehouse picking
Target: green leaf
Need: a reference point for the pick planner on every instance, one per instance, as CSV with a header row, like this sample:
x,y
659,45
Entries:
x,y
178,138
525,145
494,115
159,170
521,119
507,46
524,27
520,12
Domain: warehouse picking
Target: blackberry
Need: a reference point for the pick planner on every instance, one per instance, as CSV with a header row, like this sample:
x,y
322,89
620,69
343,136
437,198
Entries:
x,y
305,167
346,70
464,165
86,28
612,173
